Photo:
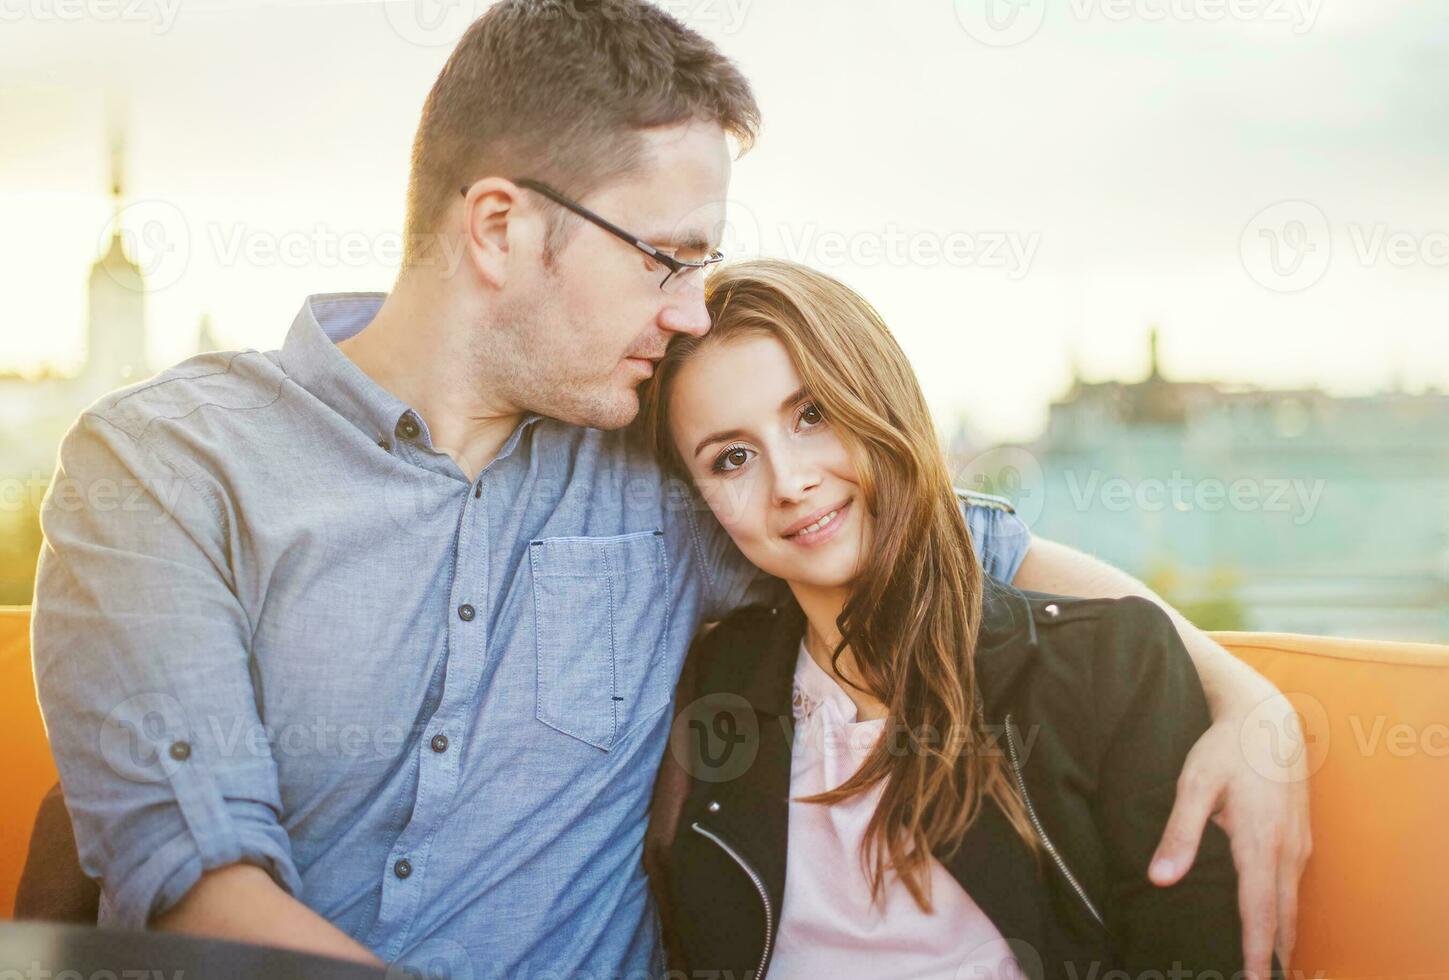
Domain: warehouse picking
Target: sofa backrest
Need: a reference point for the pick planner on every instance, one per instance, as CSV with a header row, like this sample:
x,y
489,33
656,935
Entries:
x,y
1373,902
24,753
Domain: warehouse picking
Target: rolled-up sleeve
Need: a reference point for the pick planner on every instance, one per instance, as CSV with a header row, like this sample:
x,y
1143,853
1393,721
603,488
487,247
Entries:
x,y
142,666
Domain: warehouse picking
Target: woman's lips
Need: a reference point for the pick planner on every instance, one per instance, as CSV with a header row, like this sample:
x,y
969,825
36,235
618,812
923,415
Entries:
x,y
833,519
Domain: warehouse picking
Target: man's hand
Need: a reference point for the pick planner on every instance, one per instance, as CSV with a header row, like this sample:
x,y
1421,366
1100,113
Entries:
x,y
1263,806
1248,772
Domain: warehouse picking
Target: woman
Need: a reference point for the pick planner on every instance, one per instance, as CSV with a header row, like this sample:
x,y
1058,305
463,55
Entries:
x,y
906,769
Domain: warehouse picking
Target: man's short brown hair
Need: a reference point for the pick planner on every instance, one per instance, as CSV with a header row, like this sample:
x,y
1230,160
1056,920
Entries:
x,y
557,90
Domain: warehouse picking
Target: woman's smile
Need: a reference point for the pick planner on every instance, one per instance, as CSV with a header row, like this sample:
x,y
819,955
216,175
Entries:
x,y
818,528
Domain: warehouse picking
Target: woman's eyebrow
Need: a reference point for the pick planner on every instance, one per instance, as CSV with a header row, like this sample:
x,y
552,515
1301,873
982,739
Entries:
x,y
794,398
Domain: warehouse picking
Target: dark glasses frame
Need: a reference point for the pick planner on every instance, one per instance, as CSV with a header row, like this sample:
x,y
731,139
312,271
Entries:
x,y
676,266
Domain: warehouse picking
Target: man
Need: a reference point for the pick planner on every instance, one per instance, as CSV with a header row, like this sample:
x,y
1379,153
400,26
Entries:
x,y
375,658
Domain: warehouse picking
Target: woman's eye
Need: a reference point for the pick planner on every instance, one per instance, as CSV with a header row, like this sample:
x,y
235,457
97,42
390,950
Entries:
x,y
731,459
810,415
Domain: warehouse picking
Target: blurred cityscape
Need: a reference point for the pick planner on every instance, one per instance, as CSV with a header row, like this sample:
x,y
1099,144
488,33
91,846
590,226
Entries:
x,y
1248,508
1253,509
37,409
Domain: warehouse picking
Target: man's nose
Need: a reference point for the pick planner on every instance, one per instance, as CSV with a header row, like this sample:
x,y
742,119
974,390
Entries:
x,y
685,312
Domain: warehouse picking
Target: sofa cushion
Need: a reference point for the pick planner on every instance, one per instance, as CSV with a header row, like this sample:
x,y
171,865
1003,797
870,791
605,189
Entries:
x,y
24,752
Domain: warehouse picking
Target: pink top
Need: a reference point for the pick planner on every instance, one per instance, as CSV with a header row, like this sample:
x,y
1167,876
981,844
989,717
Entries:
x,y
828,925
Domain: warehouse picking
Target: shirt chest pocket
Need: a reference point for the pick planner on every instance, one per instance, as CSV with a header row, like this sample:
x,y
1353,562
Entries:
x,y
601,608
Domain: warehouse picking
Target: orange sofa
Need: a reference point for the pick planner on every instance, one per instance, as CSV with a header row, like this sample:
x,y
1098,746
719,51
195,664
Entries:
x,y
1375,896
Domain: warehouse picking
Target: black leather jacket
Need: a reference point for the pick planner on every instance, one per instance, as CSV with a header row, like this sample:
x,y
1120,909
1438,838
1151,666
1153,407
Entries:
x,y
1095,703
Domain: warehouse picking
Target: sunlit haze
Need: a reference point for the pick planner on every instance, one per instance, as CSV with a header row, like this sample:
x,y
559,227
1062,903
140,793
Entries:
x,y
1012,204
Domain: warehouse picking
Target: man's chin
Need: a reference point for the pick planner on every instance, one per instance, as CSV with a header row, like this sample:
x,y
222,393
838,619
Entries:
x,y
616,411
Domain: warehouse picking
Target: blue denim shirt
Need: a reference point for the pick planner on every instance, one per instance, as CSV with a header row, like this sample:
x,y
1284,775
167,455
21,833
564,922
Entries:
x,y
274,625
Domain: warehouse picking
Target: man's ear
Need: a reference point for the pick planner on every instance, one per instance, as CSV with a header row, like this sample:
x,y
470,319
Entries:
x,y
496,231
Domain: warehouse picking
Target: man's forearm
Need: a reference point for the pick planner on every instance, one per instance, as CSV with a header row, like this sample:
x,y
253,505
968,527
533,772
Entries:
x,y
1053,567
242,903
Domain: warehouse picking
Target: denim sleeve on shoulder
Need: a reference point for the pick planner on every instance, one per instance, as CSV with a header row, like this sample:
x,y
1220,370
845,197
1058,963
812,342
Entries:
x,y
1000,537
733,580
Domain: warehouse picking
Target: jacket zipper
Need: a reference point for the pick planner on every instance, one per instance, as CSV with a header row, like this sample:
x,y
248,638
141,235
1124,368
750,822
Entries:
x,y
1041,831
759,884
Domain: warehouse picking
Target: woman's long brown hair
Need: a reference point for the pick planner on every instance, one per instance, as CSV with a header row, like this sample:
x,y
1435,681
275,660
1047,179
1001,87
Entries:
x,y
914,609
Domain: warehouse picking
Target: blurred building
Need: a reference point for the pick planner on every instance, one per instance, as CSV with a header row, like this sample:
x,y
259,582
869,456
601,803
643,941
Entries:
x,y
1285,510
36,410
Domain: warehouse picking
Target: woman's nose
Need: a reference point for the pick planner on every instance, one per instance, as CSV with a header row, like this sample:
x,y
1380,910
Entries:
x,y
794,478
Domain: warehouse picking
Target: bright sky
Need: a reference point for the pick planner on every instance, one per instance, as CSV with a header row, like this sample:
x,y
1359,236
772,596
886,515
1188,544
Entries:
x,y
1012,182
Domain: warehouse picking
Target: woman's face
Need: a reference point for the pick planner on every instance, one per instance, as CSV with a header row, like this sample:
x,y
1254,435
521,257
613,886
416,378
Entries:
x,y
771,468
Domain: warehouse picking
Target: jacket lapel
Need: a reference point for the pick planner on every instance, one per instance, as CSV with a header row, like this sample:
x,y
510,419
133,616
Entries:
x,y
753,810
993,864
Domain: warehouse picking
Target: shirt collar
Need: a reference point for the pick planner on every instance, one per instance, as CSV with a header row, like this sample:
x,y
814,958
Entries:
x,y
311,358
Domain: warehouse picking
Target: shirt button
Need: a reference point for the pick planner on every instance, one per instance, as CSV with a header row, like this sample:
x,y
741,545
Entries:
x,y
402,869
180,751
713,806
1052,609
407,428
466,613
440,743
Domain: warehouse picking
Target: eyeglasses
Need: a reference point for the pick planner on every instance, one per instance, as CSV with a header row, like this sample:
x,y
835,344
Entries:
x,y
678,272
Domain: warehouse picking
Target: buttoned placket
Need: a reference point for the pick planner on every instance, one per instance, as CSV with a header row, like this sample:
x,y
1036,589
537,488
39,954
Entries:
x,y
439,746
